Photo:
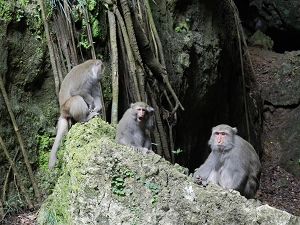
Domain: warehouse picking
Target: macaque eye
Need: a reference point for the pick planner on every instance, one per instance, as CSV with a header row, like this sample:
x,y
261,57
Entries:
x,y
220,133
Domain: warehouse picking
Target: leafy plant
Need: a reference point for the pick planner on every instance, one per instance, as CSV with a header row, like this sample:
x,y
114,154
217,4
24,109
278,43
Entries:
x,y
91,4
94,26
19,14
192,174
117,183
177,151
153,187
84,41
183,26
128,173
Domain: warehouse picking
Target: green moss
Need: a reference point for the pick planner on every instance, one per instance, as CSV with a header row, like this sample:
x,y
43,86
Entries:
x,y
261,40
94,26
6,10
82,139
17,10
44,142
53,211
106,84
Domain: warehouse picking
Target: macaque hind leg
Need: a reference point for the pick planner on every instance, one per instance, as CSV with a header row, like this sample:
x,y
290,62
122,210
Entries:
x,y
78,109
213,177
89,100
96,97
147,143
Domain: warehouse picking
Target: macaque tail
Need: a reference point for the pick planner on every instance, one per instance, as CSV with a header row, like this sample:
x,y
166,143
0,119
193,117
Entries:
x,y
62,128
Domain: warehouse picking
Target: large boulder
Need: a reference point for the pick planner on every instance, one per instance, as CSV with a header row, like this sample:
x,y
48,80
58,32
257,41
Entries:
x,y
106,183
278,79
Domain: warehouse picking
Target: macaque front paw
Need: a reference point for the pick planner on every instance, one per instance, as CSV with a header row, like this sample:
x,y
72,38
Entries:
x,y
143,150
97,109
146,151
198,180
93,114
149,151
91,107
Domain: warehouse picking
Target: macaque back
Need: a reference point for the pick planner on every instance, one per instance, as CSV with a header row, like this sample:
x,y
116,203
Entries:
x,y
79,99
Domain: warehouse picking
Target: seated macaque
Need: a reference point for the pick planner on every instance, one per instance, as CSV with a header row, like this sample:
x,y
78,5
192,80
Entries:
x,y
233,163
131,130
79,99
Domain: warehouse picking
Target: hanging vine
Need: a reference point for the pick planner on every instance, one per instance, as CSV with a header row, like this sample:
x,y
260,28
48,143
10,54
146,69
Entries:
x,y
146,66
114,65
136,56
67,41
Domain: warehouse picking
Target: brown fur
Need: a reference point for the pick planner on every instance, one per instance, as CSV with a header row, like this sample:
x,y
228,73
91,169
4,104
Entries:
x,y
79,99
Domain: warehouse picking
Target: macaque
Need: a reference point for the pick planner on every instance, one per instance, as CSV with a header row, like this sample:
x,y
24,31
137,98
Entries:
x,y
232,163
79,99
260,24
131,129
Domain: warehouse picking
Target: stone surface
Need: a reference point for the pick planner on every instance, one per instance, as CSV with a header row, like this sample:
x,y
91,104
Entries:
x,y
278,79
279,14
259,39
106,183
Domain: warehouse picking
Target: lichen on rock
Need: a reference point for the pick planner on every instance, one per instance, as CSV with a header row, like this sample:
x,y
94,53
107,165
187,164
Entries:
x,y
107,183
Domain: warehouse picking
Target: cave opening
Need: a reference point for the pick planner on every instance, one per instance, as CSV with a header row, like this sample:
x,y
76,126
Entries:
x,y
285,38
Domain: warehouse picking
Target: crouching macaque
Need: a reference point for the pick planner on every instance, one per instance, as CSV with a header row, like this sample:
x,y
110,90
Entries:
x,y
79,99
131,129
232,163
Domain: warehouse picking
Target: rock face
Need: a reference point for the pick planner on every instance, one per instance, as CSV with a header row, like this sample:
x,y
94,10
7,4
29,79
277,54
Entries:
x,y
278,79
203,64
277,19
28,80
279,14
106,183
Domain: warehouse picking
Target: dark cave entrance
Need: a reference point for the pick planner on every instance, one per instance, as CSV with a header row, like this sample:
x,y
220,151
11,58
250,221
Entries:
x,y
285,38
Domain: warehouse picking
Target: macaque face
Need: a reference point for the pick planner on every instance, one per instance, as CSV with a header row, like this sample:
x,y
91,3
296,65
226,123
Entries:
x,y
220,138
140,113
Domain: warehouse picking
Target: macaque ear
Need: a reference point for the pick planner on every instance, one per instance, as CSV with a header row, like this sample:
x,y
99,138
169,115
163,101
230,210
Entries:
x,y
98,62
234,129
149,109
